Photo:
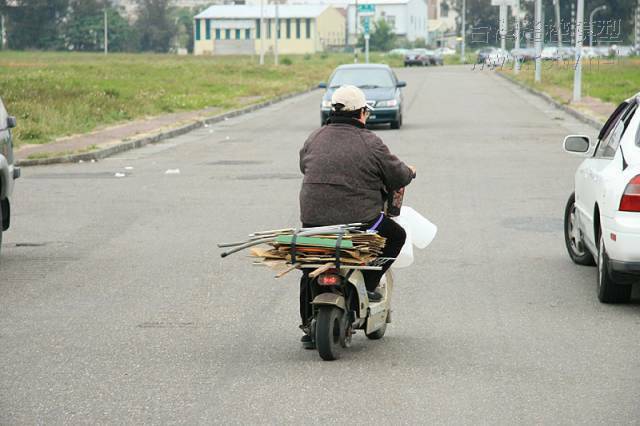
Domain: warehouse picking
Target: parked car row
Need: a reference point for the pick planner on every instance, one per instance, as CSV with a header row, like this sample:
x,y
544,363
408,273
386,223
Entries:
x,y
422,57
496,56
442,51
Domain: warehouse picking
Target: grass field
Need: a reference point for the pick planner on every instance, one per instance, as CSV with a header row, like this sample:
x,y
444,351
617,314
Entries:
x,y
611,80
59,94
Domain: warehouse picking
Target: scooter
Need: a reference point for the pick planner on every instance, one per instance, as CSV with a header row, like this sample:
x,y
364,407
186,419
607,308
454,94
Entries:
x,y
341,306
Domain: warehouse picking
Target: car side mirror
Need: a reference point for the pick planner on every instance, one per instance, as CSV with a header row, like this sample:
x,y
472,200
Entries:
x,y
11,122
322,86
401,84
577,144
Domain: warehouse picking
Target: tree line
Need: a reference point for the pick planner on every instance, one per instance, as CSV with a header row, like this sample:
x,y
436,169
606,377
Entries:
x,y
615,22
78,25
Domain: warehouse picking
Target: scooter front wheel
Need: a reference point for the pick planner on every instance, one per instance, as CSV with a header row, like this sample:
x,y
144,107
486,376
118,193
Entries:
x,y
329,329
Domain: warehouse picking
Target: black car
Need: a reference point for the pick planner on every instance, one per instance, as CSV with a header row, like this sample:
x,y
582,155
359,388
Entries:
x,y
434,57
418,57
380,86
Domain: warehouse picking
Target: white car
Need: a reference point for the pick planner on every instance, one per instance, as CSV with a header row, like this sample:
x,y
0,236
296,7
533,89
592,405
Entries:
x,y
8,172
602,216
498,58
445,51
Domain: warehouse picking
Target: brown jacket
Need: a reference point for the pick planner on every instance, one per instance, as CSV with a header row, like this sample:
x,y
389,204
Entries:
x,y
347,171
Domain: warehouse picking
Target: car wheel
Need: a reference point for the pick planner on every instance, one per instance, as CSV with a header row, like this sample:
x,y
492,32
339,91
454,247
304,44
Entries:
x,y
578,252
1,226
608,290
397,124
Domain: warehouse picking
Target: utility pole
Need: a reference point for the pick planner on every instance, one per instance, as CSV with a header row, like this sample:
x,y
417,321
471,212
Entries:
x,y
464,24
106,30
261,31
572,39
577,74
367,23
591,15
537,39
516,11
355,44
638,27
275,47
556,3
366,48
3,22
503,25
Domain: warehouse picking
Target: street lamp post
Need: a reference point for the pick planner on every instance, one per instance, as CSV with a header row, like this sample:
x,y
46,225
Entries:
x,y
464,23
106,31
593,12
275,46
516,10
537,39
556,4
261,28
357,24
577,75
637,25
503,25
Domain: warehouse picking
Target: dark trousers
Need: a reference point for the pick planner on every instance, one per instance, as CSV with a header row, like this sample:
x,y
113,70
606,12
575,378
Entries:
x,y
395,236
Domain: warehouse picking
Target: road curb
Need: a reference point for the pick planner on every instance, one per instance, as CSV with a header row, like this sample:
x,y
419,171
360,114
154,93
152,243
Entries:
x,y
596,124
133,143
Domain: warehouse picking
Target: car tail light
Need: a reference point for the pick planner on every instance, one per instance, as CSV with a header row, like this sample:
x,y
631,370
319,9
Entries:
x,y
329,279
630,201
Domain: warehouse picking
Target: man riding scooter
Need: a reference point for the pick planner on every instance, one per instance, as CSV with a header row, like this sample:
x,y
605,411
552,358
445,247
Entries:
x,y
348,171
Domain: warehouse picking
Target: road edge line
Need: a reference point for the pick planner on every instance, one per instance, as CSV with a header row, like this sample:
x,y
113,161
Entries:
x,y
127,145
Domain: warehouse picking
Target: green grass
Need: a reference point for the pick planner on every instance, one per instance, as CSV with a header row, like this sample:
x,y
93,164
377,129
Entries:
x,y
58,94
610,80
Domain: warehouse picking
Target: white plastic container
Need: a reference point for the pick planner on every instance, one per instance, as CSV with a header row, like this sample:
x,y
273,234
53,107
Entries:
x,y
420,232
405,258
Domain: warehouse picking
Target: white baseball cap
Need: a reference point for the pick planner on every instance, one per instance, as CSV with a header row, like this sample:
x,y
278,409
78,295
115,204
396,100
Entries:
x,y
351,97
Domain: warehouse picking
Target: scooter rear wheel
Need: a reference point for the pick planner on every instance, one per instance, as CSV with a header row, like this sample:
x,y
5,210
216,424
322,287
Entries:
x,y
378,334
329,330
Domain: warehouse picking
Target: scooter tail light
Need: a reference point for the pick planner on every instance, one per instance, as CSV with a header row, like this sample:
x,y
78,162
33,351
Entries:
x,y
329,279
630,201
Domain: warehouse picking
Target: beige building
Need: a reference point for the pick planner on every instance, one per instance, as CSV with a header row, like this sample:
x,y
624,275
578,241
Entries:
x,y
236,29
442,24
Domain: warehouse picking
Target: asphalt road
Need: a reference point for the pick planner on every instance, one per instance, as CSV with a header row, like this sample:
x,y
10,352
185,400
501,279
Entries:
x,y
115,307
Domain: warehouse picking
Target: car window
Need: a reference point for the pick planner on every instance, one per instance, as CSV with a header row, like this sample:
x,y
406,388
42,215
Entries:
x,y
363,78
609,145
613,118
